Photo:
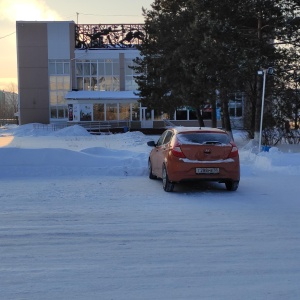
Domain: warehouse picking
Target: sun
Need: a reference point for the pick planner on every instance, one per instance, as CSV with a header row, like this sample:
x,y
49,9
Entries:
x,y
27,10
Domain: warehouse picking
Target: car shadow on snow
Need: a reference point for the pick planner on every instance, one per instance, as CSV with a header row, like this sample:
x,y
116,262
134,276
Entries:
x,y
196,187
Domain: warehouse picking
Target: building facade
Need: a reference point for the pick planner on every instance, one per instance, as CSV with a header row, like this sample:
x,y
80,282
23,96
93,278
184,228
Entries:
x,y
64,68
70,73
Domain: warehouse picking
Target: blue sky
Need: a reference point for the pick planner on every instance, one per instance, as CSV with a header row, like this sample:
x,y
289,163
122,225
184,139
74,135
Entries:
x,y
87,12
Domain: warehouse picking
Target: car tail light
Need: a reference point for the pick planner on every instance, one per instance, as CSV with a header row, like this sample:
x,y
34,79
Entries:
x,y
234,151
176,150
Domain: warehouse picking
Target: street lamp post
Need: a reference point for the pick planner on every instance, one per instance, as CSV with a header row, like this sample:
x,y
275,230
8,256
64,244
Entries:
x,y
296,79
263,72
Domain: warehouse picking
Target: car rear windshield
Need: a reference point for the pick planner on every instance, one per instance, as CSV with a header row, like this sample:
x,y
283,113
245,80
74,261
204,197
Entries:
x,y
204,138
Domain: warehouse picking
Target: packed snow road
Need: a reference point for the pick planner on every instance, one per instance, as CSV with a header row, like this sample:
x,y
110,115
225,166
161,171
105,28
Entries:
x,y
81,220
110,237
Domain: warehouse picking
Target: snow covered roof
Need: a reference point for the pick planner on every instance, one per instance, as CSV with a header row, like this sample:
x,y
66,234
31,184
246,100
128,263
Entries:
x,y
98,95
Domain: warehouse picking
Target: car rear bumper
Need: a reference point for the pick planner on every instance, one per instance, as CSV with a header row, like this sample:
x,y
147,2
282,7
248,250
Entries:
x,y
185,171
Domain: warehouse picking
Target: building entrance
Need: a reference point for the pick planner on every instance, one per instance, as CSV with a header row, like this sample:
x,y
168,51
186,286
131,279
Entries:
x,y
146,117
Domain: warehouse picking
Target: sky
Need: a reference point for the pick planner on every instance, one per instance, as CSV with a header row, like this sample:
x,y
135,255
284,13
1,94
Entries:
x,y
80,219
86,12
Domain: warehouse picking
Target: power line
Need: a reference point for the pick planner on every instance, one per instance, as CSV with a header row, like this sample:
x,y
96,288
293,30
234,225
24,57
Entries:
x,y
107,15
79,13
7,35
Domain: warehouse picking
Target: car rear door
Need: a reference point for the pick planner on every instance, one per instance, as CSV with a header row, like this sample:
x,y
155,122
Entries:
x,y
160,152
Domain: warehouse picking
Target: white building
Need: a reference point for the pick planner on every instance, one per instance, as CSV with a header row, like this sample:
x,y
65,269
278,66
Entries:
x,y
70,73
77,73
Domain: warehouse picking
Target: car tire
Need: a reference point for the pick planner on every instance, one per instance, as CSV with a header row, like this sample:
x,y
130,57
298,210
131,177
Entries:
x,y
232,185
168,186
151,176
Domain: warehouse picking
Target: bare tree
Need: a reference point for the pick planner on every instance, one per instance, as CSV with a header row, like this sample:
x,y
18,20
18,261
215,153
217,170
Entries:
x,y
9,105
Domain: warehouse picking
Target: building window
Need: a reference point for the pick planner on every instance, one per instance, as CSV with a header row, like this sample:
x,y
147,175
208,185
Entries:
x,y
192,115
235,109
87,69
79,69
135,112
61,112
111,111
53,113
181,115
80,83
59,67
86,112
130,84
58,112
59,85
98,112
124,111
235,105
98,75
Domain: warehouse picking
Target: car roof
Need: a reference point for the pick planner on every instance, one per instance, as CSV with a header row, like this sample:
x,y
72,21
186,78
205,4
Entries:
x,y
181,129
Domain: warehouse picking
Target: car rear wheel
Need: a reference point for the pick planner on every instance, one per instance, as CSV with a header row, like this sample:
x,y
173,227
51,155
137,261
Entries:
x,y
151,176
232,185
168,186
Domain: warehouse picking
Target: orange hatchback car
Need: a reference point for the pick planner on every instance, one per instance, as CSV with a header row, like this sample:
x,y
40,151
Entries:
x,y
193,153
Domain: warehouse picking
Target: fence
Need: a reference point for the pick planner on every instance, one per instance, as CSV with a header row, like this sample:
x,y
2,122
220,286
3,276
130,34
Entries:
x,y
89,126
8,121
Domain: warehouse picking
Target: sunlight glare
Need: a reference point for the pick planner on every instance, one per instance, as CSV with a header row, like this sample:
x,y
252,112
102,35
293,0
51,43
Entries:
x,y
5,140
27,10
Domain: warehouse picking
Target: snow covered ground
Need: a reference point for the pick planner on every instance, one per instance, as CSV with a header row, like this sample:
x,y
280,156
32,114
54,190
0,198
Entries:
x,y
80,219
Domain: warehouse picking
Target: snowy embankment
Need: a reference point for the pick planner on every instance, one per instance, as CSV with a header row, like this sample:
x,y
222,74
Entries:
x,y
73,150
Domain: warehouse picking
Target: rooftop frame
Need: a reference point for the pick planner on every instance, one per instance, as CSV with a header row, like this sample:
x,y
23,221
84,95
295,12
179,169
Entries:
x,y
108,36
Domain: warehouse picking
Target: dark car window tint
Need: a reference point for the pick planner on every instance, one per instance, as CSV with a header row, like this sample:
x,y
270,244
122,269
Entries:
x,y
168,137
160,140
204,138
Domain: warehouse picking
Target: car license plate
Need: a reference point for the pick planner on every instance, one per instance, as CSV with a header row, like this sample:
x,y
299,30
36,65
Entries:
x,y
207,170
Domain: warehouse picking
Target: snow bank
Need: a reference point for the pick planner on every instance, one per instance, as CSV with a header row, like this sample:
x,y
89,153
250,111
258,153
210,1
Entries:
x,y
36,149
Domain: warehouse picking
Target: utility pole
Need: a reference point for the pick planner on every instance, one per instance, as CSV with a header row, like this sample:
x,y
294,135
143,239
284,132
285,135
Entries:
x,y
264,72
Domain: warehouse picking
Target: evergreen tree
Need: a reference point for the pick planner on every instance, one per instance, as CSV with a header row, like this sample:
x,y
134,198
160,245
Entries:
x,y
196,49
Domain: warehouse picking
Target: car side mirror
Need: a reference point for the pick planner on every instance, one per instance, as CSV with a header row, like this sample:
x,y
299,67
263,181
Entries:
x,y
151,143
